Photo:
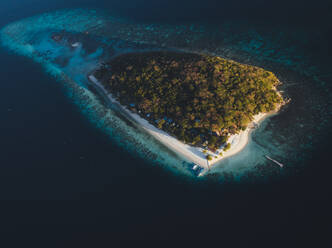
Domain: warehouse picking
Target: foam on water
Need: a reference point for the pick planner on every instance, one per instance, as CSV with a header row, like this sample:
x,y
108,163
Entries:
x,y
303,80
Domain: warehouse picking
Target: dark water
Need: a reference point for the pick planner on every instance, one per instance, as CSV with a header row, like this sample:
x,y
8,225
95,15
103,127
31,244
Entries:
x,y
64,184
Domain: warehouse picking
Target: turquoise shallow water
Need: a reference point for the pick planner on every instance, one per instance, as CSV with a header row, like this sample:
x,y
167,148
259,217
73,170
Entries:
x,y
289,137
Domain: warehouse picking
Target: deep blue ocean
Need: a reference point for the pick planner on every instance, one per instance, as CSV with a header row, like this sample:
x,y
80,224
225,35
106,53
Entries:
x,y
64,183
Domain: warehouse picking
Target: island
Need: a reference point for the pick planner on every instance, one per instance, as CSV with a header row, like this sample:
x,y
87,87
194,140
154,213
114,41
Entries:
x,y
201,106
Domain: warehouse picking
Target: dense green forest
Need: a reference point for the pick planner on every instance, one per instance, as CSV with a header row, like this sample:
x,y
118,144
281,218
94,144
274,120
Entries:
x,y
199,99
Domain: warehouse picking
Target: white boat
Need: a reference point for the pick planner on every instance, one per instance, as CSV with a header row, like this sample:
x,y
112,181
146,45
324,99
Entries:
x,y
76,44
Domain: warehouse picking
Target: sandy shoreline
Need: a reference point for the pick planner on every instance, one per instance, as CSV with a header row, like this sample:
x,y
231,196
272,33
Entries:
x,y
193,154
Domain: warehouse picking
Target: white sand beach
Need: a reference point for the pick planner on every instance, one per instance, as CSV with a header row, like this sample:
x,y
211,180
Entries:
x,y
193,154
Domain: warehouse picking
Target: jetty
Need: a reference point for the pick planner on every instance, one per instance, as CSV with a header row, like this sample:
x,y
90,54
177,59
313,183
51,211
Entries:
x,y
275,161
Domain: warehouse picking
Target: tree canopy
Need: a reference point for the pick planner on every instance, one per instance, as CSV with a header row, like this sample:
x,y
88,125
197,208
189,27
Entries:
x,y
199,99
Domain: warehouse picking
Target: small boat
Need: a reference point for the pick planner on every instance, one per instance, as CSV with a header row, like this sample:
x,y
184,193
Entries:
x,y
275,161
76,44
195,167
202,172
